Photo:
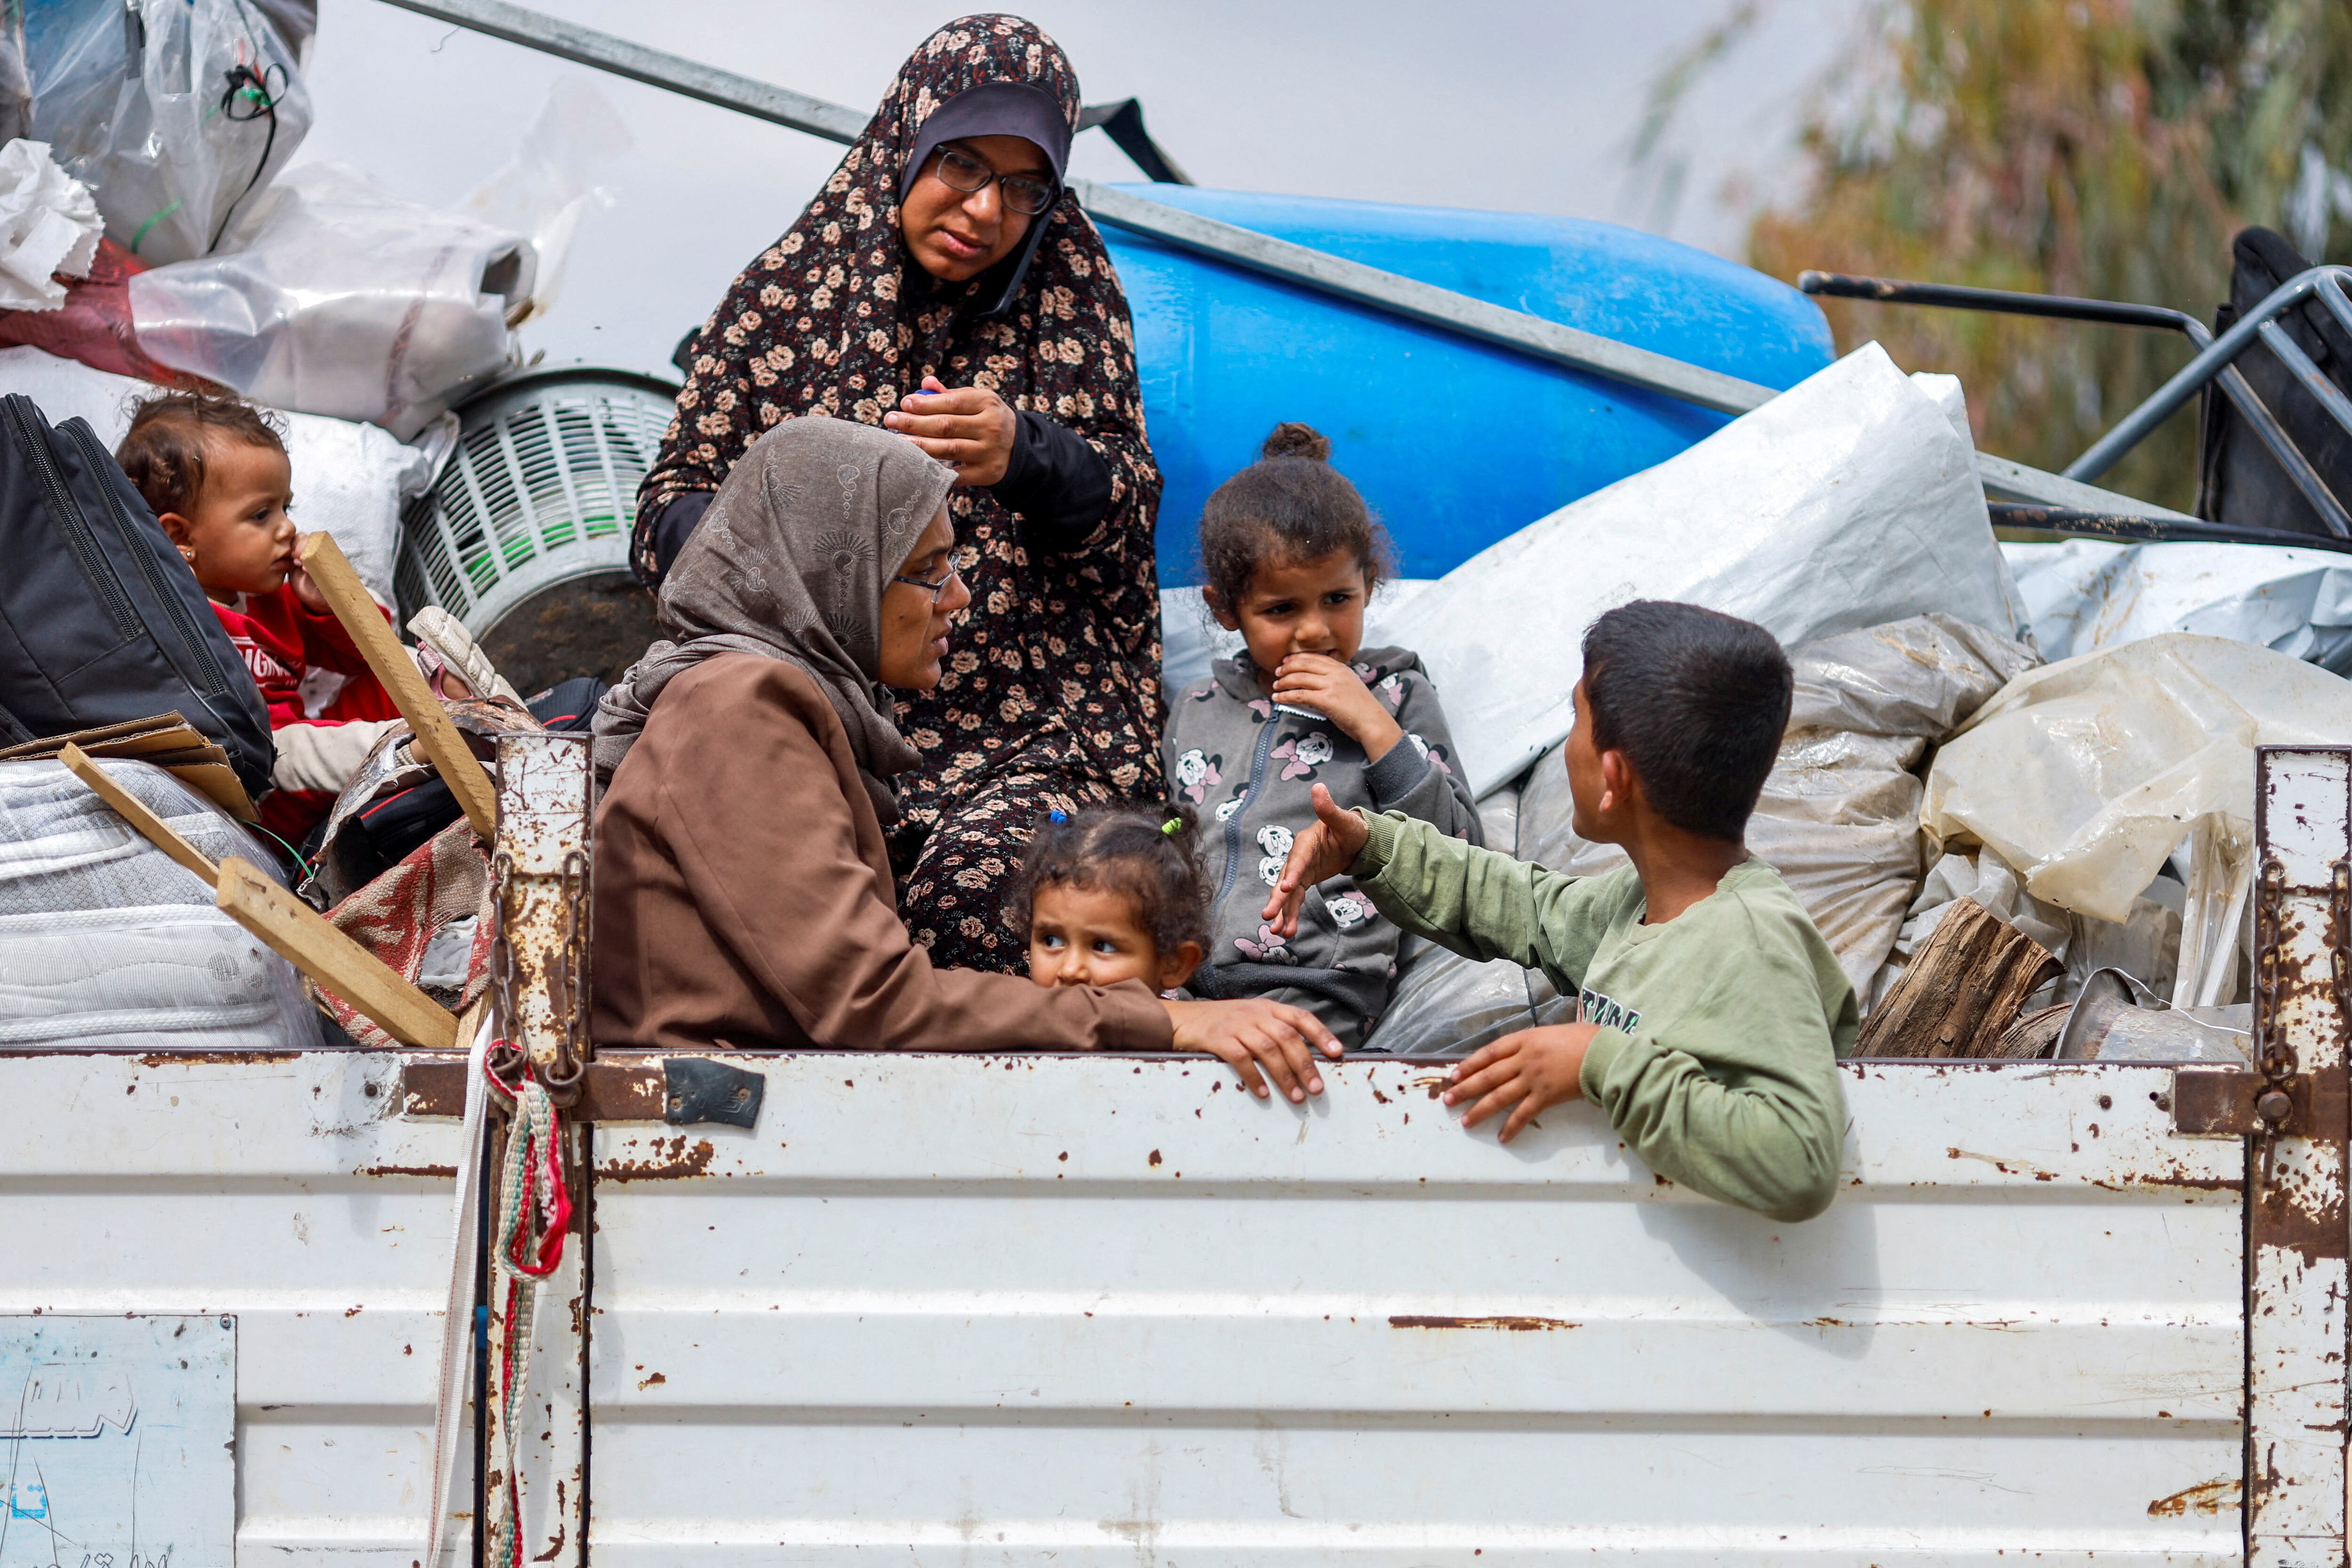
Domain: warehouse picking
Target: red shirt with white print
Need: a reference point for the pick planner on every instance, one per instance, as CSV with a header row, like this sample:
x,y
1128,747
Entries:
x,y
282,640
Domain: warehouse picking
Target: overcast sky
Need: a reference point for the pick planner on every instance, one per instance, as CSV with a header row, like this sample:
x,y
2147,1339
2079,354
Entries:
x,y
1522,105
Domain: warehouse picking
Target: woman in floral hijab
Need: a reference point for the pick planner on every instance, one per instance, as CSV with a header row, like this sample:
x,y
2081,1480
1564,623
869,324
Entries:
x,y
943,284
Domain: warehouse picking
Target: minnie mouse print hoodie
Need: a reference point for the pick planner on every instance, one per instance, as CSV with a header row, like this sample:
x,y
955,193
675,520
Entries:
x,y
1249,770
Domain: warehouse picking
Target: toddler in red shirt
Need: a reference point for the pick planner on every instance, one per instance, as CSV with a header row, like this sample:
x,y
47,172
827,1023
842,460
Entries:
x,y
215,471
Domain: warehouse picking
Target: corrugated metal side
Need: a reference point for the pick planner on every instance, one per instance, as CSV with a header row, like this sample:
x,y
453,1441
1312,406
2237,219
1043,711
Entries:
x,y
274,1188
1101,1311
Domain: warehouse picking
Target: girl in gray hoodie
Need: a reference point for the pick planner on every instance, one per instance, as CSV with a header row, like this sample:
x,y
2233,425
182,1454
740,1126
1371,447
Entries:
x,y
1292,557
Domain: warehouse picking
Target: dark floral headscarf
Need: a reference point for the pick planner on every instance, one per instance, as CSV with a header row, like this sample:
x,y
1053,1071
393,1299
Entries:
x,y
1059,655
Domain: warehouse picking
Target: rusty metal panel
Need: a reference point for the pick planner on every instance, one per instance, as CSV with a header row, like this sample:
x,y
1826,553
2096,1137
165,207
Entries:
x,y
273,1189
1108,1311
2296,1273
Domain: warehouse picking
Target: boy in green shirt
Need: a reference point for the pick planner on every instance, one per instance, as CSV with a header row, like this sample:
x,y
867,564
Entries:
x,y
1713,1013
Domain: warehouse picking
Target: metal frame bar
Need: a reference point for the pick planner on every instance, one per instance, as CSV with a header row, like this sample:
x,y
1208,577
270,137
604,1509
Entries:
x,y
2114,313
2138,526
2109,449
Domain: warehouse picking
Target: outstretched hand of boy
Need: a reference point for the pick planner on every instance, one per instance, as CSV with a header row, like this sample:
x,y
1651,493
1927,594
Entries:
x,y
1328,847
1528,1072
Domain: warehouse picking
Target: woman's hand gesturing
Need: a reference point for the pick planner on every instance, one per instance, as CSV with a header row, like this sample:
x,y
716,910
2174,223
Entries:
x,y
968,428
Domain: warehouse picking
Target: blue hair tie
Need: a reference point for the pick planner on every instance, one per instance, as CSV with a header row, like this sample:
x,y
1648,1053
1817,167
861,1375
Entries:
x,y
1057,816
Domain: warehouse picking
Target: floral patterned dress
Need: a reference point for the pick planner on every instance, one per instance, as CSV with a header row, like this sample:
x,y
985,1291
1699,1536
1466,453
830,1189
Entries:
x,y
1051,696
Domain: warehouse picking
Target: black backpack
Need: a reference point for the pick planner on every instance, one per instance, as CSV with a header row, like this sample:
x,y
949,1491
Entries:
x,y
100,621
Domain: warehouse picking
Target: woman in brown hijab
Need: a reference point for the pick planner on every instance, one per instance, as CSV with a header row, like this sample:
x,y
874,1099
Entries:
x,y
944,285
743,892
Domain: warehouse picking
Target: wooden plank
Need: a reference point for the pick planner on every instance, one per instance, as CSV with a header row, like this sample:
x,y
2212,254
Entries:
x,y
134,810
305,938
435,736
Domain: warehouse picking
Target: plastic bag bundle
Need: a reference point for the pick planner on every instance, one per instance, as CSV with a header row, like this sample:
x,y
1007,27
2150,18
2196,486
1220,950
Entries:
x,y
174,112
106,942
343,300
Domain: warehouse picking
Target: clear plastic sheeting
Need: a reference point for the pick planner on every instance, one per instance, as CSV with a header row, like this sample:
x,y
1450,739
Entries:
x,y
107,944
550,185
175,113
2087,594
340,298
350,480
48,224
2088,775
1849,500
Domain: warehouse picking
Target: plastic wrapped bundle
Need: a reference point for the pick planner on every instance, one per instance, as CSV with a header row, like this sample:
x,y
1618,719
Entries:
x,y
174,112
343,300
106,944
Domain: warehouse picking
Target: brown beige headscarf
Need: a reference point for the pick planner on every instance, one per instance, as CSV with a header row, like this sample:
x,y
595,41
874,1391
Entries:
x,y
791,564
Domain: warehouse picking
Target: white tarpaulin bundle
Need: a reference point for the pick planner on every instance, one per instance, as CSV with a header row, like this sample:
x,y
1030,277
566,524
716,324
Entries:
x,y
1848,501
2088,594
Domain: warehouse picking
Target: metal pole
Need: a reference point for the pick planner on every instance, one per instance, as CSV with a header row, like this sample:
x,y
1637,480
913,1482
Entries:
x,y
1418,301
654,67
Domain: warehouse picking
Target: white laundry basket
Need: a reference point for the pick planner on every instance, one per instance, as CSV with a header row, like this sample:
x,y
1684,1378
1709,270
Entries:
x,y
525,537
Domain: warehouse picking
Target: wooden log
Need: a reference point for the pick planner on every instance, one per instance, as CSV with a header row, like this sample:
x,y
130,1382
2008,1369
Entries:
x,y
2034,1035
132,810
435,736
304,938
1961,992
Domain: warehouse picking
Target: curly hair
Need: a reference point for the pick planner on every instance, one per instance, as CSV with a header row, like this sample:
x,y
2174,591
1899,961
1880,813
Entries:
x,y
163,451
1290,504
1128,849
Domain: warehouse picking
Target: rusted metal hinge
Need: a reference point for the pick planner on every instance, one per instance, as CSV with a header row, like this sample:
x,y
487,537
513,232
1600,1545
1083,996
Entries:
x,y
683,1091
2218,1102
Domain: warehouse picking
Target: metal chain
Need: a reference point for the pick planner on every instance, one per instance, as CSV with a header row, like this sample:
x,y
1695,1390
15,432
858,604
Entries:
x,y
572,1001
506,1056
2272,1100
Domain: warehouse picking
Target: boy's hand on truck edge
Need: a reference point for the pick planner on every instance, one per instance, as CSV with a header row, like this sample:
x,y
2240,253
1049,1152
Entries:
x,y
1533,1070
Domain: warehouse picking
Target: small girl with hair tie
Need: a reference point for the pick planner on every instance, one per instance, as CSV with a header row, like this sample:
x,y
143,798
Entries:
x,y
1292,557
1110,894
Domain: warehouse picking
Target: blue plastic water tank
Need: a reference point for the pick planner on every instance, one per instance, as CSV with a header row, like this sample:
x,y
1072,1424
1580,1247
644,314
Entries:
x,y
1454,444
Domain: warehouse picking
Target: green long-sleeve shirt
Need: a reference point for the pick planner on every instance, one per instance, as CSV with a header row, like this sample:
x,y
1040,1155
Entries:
x,y
1716,1059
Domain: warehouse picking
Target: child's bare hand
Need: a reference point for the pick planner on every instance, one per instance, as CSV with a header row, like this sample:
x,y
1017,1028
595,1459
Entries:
x,y
1532,1069
305,590
1253,1033
1332,688
1328,847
